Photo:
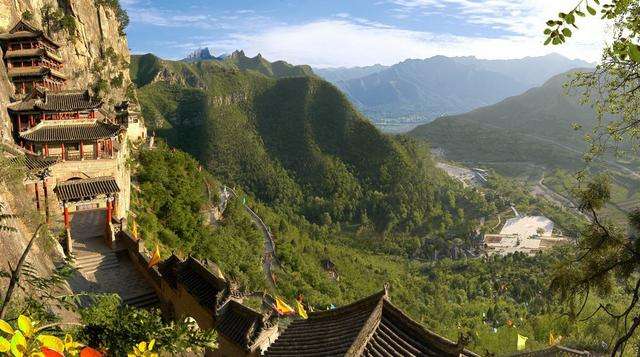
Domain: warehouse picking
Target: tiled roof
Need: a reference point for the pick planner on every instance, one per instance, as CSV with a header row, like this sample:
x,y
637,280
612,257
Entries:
x,y
32,52
86,188
34,162
57,101
203,285
240,324
23,29
33,71
369,327
70,132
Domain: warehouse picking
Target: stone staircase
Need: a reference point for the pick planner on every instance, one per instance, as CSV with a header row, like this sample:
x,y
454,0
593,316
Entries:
x,y
91,262
103,270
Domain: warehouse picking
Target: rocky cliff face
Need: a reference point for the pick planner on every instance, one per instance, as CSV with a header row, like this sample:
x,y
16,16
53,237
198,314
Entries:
x,y
96,57
95,52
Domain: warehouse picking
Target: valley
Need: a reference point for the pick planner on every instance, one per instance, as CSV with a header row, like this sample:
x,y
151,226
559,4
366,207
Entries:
x,y
397,98
223,202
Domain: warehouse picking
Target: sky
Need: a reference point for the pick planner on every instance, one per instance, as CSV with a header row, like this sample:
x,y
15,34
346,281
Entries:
x,y
348,33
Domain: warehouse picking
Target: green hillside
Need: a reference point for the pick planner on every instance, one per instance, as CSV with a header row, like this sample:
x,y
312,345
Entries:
x,y
297,143
532,136
533,127
331,186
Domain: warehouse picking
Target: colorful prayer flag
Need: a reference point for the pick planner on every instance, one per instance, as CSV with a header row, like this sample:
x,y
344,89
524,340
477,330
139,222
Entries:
x,y
282,308
300,309
155,258
522,342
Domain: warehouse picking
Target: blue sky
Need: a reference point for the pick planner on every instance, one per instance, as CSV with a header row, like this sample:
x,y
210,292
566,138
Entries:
x,y
332,33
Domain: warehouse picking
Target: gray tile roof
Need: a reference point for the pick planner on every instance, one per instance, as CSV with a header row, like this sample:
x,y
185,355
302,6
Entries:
x,y
86,188
369,327
71,132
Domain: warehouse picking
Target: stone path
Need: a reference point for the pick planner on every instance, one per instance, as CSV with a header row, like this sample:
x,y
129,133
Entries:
x,y
101,269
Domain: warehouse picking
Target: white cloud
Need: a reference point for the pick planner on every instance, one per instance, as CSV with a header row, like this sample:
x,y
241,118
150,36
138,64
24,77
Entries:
x,y
345,39
345,42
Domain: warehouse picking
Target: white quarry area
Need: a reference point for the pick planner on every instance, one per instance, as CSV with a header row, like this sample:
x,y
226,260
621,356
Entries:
x,y
528,226
526,234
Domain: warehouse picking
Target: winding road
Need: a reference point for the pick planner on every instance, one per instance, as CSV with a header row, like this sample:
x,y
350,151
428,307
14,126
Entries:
x,y
269,251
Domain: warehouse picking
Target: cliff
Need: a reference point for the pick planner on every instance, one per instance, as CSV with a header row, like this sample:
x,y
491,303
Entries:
x,y
93,47
96,57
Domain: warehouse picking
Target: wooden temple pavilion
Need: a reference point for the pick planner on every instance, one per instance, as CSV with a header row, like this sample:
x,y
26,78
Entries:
x,y
243,331
32,59
369,327
72,141
87,192
42,105
553,351
63,124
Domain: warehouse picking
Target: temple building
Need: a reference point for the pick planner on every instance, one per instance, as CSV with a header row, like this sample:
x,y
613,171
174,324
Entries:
x,y
192,289
84,146
369,327
31,58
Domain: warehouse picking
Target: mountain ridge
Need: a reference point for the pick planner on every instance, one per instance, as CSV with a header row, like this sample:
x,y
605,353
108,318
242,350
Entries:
x,y
420,90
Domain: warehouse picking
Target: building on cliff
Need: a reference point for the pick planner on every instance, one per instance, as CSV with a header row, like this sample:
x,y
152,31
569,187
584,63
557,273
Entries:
x,y
31,58
84,145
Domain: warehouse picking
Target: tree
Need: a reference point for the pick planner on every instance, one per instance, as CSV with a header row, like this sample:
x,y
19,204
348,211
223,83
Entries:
x,y
608,257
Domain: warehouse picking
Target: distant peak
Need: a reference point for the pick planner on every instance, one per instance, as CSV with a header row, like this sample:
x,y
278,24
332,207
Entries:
x,y
238,53
199,55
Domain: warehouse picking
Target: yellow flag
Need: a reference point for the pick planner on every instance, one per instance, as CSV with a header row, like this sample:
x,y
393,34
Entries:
x,y
218,272
300,309
554,340
282,308
134,229
522,342
155,258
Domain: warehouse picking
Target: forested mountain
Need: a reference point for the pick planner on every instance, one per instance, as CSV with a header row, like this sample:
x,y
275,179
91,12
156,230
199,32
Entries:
x,y
422,89
331,187
534,127
532,136
297,142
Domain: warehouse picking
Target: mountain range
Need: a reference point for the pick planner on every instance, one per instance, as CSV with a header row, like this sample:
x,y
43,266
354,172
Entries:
x,y
420,90
292,139
538,136
534,127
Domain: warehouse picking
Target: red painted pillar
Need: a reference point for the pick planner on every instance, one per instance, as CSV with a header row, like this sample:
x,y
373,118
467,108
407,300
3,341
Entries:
x,y
66,217
108,211
62,147
46,149
35,185
81,150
